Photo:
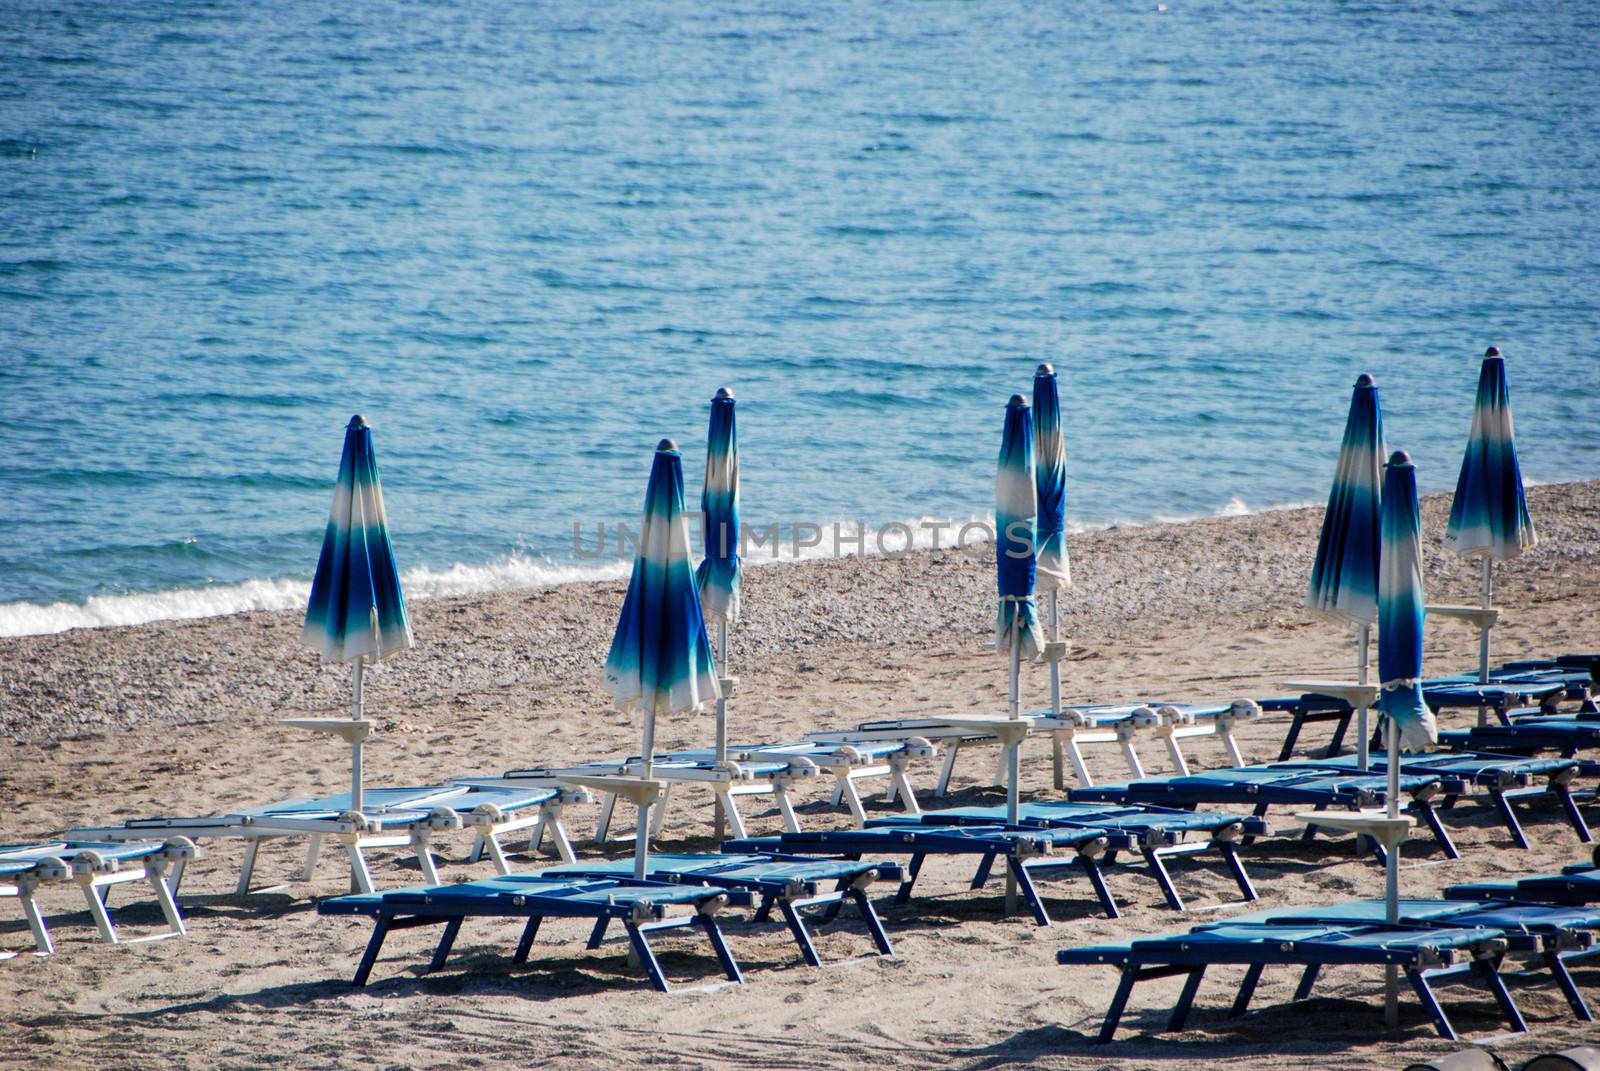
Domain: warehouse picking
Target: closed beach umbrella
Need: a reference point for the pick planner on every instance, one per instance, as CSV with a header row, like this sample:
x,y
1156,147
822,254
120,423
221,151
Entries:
x,y
661,660
1344,576
1054,570
1016,630
357,611
1401,613
718,575
1489,514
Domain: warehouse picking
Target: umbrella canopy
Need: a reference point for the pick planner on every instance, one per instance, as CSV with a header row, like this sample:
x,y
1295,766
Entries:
x,y
1054,570
1344,577
718,575
1400,610
1489,514
357,609
1015,513
660,660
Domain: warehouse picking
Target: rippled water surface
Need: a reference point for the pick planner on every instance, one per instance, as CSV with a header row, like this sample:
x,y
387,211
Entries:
x,y
526,241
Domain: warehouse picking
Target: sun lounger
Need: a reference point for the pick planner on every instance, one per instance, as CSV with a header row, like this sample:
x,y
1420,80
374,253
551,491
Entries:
x,y
641,907
1575,886
1504,777
1566,735
93,866
1027,853
1549,935
1156,833
1428,958
1119,724
1262,787
792,885
392,817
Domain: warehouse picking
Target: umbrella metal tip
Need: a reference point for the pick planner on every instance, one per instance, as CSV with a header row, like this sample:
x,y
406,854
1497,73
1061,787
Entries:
x,y
723,394
1045,369
666,444
358,421
1365,380
1400,457
1017,399
1493,351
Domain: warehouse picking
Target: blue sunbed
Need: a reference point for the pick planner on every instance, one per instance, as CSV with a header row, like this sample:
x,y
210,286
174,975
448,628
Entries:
x,y
1428,958
1156,833
641,907
1566,735
93,866
1027,852
792,885
1504,777
1575,886
1547,933
1262,787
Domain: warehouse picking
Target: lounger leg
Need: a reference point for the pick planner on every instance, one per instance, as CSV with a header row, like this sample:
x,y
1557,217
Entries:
x,y
947,769
903,894
869,915
175,880
602,828
1438,830
1230,853
764,910
1175,752
1430,1003
1337,743
1180,1012
985,867
1574,816
1132,757
525,943
1030,892
1159,869
102,920
1509,817
1079,767
1058,763
1496,985
1098,880
901,783
247,868
41,932
169,906
370,956
1307,980
791,821
719,944
647,957
735,819
313,850
598,933
479,846
497,854
853,799
447,940
797,926
662,806
1568,987
359,872
558,836
837,797
1290,737
1232,747
430,872
1119,1002
1247,989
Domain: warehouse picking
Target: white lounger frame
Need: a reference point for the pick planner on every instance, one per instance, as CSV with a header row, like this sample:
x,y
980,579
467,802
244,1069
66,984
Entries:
x,y
92,873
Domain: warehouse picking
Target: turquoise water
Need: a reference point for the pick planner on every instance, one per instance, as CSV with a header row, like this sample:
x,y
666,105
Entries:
x,y
528,243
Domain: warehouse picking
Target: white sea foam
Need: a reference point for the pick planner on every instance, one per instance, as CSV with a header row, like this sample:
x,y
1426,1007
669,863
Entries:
x,y
836,538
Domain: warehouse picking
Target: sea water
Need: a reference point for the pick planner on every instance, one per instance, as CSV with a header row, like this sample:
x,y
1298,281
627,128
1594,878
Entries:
x,y
527,241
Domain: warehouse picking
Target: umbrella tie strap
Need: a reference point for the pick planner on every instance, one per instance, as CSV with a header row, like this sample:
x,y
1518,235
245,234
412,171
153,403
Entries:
x,y
1402,682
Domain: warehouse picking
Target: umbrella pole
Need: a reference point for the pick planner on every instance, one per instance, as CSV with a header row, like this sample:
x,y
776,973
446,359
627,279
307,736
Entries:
x,y
1013,762
1363,663
1055,667
355,744
721,819
641,836
1391,878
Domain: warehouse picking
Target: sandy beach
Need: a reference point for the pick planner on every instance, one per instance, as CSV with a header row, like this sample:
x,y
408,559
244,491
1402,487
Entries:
x,y
181,718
